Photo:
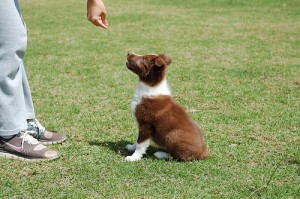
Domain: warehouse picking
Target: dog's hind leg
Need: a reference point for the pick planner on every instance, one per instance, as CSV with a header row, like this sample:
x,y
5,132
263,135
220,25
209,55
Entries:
x,y
161,155
131,147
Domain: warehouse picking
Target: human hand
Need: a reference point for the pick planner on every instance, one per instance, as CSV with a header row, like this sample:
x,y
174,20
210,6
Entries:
x,y
96,13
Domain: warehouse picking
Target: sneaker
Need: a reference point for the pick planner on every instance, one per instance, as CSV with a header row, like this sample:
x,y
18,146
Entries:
x,y
44,136
24,147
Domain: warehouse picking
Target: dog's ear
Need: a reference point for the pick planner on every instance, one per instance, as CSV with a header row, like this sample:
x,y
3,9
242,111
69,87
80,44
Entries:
x,y
166,58
162,59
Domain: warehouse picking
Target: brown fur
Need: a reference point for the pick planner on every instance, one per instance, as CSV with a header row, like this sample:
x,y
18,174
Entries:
x,y
160,117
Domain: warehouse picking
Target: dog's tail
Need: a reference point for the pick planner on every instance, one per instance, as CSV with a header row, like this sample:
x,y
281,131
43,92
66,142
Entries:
x,y
190,154
204,153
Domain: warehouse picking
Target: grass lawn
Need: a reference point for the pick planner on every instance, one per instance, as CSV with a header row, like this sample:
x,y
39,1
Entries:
x,y
235,69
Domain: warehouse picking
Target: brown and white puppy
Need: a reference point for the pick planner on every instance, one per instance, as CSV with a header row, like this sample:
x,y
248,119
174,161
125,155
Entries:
x,y
158,116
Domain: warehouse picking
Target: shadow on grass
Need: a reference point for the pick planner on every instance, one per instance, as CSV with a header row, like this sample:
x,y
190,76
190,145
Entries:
x,y
119,147
297,163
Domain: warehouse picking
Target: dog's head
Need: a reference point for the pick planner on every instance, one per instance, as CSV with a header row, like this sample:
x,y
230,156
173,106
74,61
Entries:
x,y
150,68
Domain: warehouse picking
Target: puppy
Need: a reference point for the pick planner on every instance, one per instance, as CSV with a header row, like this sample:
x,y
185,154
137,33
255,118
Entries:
x,y
158,117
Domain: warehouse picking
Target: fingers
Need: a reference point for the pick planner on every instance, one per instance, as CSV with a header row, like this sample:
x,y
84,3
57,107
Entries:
x,y
103,25
104,21
99,21
96,13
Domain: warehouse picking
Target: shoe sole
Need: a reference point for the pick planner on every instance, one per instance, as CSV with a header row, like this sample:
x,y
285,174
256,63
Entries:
x,y
52,142
5,154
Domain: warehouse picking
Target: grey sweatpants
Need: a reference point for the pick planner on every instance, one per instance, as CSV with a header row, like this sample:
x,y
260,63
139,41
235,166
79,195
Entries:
x,y
15,98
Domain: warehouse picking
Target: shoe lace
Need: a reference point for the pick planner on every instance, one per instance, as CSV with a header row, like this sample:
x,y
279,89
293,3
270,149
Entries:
x,y
26,137
38,129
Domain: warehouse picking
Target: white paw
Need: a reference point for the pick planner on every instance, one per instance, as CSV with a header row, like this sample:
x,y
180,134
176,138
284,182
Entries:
x,y
161,155
130,147
132,158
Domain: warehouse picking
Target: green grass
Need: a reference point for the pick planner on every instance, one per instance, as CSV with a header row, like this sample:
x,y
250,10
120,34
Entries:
x,y
236,70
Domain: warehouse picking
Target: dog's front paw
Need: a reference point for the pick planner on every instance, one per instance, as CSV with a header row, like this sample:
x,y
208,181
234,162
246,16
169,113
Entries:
x,y
132,158
130,147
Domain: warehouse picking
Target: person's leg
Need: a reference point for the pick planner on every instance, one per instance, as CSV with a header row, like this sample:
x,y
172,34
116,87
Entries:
x,y
15,99
29,109
16,105
13,42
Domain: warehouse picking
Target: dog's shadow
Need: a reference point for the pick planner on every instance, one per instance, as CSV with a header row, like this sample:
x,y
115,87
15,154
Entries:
x,y
119,147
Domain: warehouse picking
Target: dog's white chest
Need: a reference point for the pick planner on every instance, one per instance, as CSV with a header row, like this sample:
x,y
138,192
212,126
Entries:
x,y
144,90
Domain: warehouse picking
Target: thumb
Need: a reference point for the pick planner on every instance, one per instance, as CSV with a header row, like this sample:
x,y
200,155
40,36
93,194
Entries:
x,y
99,21
104,20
